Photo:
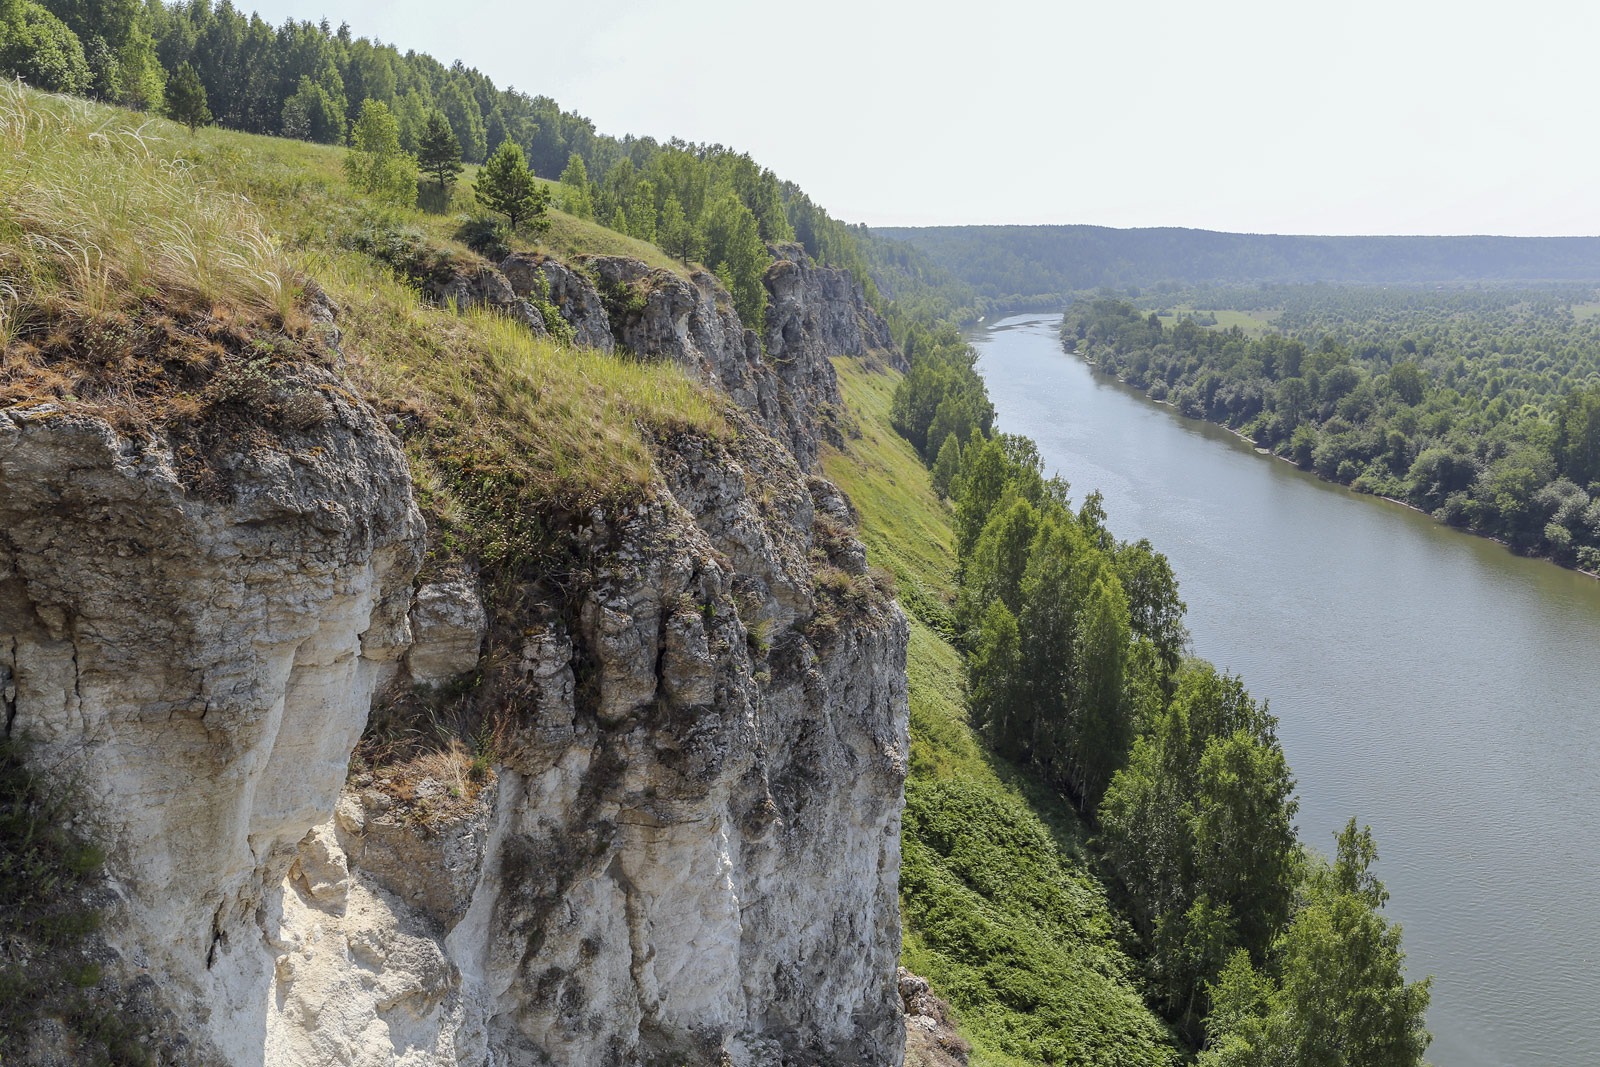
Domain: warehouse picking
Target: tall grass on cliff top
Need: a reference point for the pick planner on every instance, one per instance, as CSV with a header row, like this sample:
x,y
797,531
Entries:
x,y
104,212
96,208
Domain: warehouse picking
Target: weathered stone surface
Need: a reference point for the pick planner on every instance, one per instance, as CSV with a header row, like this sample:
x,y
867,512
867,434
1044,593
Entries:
x,y
203,665
573,294
688,322
688,848
685,861
322,867
482,286
932,1039
448,625
784,379
815,311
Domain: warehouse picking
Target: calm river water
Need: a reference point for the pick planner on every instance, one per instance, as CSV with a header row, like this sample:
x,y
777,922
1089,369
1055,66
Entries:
x,y
1426,681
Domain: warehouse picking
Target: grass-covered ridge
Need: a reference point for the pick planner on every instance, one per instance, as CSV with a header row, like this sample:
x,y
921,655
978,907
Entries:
x,y
199,255
1002,911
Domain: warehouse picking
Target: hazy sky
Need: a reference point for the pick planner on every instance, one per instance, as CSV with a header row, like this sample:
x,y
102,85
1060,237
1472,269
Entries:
x,y
1351,117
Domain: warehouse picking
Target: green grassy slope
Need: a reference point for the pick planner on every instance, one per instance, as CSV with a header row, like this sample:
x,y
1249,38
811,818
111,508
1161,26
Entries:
x,y
1002,913
114,221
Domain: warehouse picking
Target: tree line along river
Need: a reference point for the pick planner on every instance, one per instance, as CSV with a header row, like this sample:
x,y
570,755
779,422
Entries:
x,y
1427,681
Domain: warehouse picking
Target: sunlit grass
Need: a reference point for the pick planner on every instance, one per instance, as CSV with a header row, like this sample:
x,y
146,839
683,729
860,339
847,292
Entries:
x,y
561,422
908,532
98,210
105,212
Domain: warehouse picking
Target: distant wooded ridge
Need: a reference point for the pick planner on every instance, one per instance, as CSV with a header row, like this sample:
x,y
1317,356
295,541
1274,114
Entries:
x,y
1002,261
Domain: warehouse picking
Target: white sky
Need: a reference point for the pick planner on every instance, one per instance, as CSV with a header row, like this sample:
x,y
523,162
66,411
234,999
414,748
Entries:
x,y
1361,116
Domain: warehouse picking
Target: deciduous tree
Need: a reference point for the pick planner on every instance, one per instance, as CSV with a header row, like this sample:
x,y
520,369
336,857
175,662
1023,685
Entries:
x,y
376,164
575,197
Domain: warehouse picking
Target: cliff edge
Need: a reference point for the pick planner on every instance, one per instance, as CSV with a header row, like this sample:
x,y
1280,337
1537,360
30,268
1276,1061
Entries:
x,y
674,839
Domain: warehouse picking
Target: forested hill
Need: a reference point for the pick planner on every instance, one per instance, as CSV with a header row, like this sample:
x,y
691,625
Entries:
x,y
1009,261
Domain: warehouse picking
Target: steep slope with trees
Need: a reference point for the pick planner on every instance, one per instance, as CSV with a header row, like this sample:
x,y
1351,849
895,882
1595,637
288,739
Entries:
x,y
1074,651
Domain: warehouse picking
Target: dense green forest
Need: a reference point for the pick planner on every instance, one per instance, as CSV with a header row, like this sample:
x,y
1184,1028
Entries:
x,y
1076,659
1480,406
1012,262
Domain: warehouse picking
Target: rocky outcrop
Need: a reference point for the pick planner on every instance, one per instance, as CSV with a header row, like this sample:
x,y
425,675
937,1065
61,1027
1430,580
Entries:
x,y
448,625
204,666
681,843
538,277
462,288
685,856
932,1039
816,312
784,378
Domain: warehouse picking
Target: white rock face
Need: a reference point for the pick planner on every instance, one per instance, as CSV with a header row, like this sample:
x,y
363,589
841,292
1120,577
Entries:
x,y
688,877
203,668
688,852
695,863
448,624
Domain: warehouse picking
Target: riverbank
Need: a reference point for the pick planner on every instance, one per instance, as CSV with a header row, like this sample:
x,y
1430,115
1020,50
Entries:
x,y
1260,451
1435,686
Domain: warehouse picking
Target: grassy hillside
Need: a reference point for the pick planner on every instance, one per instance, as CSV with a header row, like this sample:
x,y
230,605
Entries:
x,y
183,264
1002,911
197,252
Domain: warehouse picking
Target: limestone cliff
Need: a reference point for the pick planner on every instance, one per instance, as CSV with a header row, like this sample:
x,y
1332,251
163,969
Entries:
x,y
687,847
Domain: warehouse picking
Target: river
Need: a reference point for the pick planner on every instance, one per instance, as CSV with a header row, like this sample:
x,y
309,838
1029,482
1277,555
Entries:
x,y
1426,681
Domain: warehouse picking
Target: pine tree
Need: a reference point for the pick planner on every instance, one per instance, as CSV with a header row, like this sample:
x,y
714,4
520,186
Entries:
x,y
505,185
186,99
438,151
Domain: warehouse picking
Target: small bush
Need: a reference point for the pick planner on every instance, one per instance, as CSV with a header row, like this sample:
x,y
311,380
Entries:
x,y
486,235
301,409
244,384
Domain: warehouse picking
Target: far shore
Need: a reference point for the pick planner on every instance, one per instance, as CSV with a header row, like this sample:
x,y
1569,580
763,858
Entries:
x,y
1258,450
